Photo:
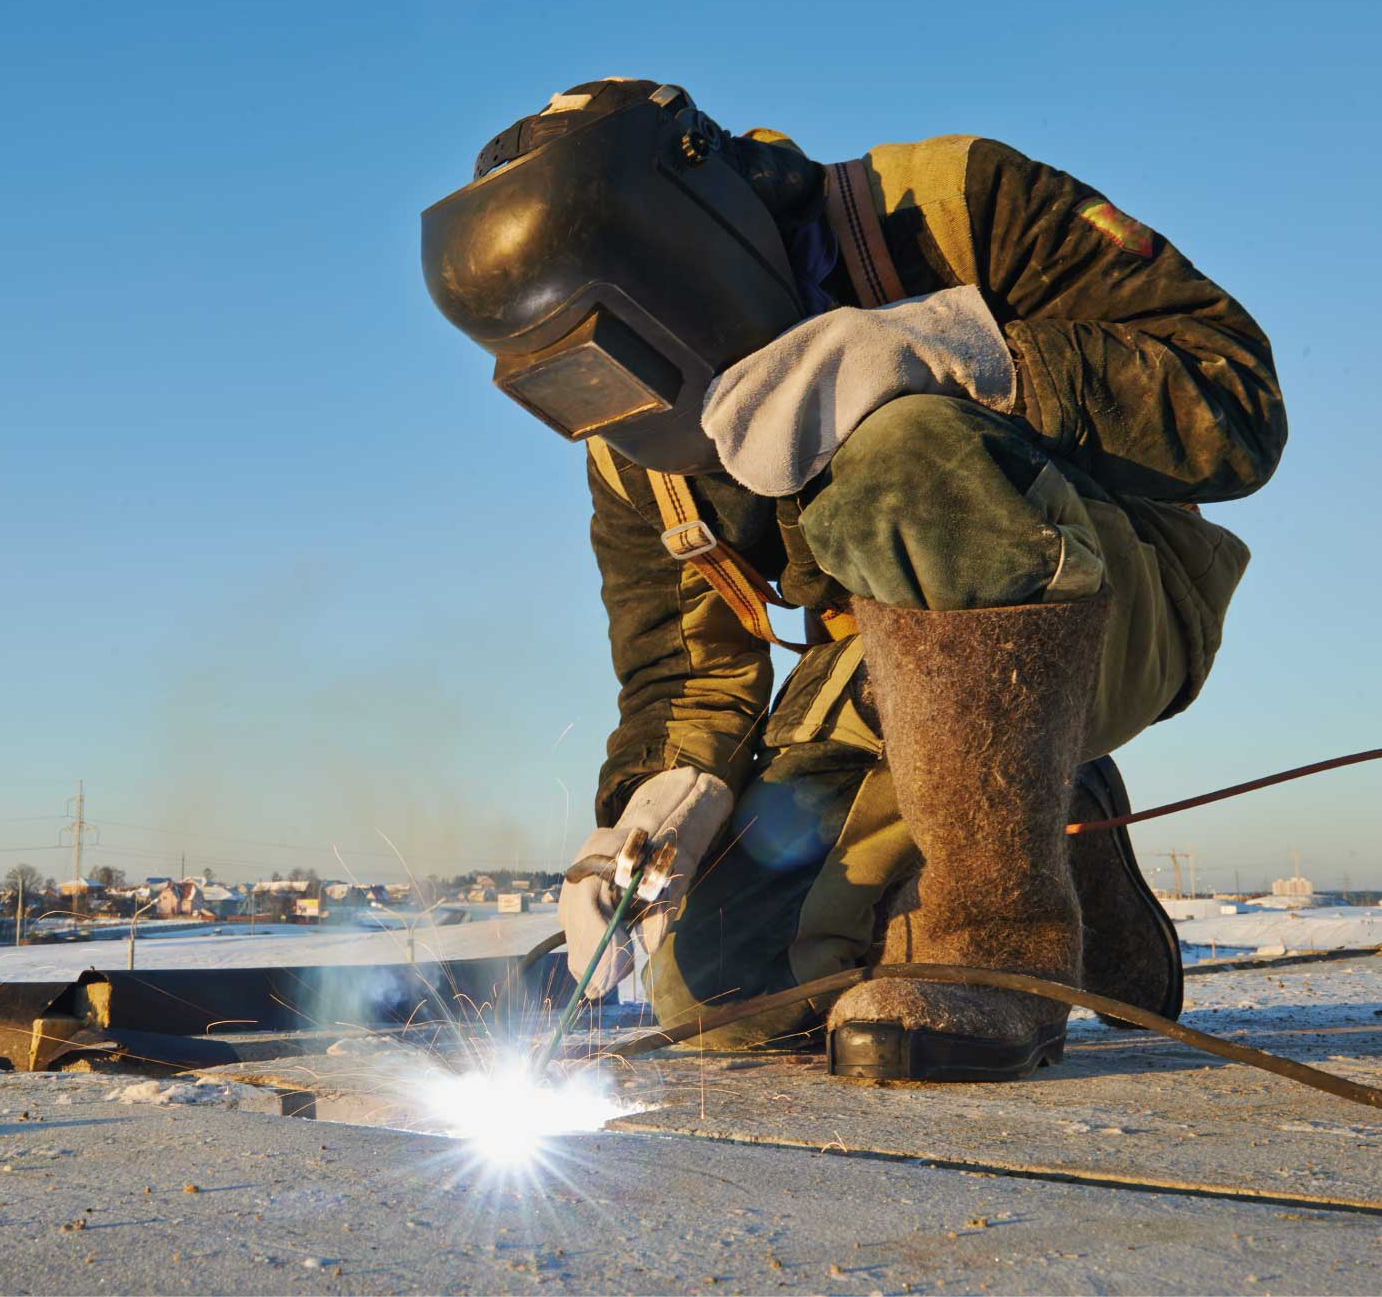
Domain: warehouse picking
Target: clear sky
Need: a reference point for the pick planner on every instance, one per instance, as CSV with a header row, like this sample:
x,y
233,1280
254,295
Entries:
x,y
280,566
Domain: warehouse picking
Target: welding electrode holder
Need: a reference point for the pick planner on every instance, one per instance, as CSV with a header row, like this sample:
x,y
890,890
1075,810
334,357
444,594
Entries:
x,y
618,870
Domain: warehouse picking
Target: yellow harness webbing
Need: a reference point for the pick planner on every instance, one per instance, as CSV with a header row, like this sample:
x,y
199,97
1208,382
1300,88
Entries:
x,y
850,211
689,538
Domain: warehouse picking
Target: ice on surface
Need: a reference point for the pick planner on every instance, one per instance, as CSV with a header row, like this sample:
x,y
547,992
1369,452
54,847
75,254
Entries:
x,y
165,1093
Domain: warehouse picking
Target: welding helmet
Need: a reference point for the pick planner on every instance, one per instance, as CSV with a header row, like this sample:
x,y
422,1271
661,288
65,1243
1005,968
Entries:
x,y
613,260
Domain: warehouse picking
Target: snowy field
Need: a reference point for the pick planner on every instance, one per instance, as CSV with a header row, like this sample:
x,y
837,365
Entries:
x,y
490,935
1335,927
285,946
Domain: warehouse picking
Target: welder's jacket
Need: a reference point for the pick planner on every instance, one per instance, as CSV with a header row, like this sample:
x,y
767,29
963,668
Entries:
x,y
1132,367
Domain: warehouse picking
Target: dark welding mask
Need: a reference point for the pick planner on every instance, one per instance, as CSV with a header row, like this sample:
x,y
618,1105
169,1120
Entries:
x,y
613,262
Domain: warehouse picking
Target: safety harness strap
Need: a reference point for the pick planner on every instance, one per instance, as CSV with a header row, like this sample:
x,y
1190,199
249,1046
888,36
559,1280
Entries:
x,y
688,538
850,211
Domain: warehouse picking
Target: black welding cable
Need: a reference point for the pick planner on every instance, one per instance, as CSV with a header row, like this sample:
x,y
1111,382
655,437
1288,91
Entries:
x,y
955,974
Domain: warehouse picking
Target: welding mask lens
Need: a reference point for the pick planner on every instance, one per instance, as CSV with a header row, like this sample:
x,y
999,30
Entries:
x,y
600,374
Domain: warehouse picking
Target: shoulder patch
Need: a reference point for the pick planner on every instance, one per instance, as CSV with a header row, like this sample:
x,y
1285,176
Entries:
x,y
1128,234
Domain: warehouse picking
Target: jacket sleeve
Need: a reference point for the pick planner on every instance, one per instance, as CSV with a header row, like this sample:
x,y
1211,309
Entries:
x,y
694,685
1131,363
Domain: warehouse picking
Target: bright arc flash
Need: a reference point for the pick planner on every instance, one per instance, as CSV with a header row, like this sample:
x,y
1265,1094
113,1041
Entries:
x,y
507,1114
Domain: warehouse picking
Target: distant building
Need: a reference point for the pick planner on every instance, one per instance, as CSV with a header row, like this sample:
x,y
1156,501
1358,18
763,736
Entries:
x,y
280,886
182,897
81,887
219,900
1296,886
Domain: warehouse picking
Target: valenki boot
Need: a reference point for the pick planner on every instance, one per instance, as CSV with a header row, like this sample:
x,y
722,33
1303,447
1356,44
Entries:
x,y
983,714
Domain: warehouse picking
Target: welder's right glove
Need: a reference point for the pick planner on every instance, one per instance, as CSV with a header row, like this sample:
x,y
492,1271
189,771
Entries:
x,y
685,808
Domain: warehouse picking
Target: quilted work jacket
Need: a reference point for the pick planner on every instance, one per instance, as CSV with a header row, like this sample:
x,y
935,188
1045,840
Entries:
x,y
1133,367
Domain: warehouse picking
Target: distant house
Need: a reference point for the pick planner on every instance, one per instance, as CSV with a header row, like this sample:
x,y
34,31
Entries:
x,y
220,901
484,880
81,887
478,895
549,897
283,886
179,897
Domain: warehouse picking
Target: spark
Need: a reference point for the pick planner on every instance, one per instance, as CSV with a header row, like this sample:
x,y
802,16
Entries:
x,y
510,1118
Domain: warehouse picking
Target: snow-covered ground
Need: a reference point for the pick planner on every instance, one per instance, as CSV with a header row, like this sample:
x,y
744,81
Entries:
x,y
285,946
1333,927
490,935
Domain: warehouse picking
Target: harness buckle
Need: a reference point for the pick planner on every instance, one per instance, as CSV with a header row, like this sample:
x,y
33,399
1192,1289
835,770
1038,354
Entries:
x,y
689,539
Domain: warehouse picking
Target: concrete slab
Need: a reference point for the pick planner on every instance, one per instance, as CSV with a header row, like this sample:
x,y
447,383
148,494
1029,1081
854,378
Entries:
x,y
94,1196
1125,1107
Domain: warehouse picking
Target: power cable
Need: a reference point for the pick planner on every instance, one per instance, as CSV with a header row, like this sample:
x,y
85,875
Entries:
x,y
1234,790
954,974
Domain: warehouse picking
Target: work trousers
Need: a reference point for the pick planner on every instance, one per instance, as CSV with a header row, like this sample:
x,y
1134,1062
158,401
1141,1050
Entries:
x,y
932,503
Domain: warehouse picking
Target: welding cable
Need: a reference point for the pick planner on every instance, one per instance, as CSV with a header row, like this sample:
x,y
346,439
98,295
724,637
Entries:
x,y
957,975
1156,812
708,1020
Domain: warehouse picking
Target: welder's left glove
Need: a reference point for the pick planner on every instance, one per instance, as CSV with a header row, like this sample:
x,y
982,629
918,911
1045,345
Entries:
x,y
683,808
780,414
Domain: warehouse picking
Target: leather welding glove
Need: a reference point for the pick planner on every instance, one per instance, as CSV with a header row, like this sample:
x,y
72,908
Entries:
x,y
683,807
779,415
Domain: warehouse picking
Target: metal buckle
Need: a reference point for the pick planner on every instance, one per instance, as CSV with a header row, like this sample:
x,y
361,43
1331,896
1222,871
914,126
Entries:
x,y
678,547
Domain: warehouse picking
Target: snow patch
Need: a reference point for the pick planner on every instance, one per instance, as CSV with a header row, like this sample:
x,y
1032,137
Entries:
x,y
164,1093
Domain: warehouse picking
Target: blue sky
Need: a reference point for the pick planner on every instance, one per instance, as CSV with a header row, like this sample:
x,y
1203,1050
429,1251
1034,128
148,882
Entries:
x,y
283,568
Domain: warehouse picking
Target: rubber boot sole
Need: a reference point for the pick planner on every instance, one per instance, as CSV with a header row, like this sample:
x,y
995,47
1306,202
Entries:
x,y
888,1051
1114,795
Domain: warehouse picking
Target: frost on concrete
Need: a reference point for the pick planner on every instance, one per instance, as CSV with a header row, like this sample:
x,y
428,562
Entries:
x,y
161,1094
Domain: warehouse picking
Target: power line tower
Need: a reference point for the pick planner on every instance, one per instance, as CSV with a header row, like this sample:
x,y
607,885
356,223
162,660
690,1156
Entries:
x,y
78,830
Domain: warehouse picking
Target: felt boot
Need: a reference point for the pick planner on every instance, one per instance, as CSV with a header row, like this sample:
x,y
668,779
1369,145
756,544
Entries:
x,y
983,714
1131,951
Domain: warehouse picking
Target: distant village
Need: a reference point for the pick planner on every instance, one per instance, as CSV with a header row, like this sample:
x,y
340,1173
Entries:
x,y
300,897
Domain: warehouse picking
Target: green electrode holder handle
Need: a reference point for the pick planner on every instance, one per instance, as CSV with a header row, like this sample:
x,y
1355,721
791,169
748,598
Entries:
x,y
573,1006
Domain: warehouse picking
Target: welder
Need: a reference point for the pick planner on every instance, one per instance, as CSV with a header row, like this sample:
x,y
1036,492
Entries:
x,y
963,410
